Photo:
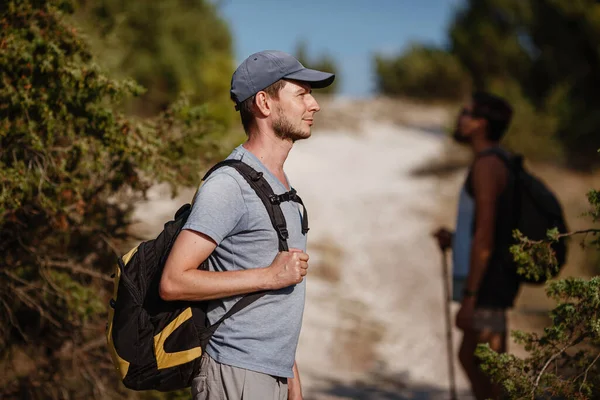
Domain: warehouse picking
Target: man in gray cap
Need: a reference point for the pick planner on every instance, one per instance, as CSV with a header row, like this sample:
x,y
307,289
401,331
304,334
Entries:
x,y
252,353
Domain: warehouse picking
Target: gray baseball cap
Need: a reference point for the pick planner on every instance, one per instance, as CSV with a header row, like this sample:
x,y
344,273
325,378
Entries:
x,y
264,68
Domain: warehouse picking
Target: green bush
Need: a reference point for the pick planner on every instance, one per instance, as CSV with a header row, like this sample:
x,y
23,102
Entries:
x,y
562,362
72,166
423,73
168,47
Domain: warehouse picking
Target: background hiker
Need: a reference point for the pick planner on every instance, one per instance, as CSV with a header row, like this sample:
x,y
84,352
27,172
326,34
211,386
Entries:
x,y
252,354
483,282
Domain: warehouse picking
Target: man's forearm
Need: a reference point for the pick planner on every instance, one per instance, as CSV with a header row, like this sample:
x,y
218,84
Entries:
x,y
198,285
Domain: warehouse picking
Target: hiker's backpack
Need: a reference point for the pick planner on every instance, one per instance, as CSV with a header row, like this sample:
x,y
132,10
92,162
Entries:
x,y
535,210
157,344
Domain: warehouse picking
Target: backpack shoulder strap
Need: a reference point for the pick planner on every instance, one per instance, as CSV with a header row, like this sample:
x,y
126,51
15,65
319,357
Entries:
x,y
502,154
220,164
514,162
271,201
264,191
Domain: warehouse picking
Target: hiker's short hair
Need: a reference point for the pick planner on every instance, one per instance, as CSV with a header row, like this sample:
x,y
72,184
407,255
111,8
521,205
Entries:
x,y
246,114
495,110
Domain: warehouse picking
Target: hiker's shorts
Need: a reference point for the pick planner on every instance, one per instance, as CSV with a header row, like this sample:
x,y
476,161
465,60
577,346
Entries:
x,y
225,382
489,320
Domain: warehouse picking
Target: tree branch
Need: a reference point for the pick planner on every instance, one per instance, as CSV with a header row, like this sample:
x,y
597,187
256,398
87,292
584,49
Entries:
x,y
586,231
539,377
32,304
562,235
77,269
91,345
11,318
58,291
588,370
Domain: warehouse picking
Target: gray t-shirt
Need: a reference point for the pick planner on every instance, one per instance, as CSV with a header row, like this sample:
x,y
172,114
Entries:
x,y
263,336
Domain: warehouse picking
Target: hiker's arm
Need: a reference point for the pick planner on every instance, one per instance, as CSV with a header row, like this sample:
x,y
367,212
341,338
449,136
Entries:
x,y
294,385
182,280
219,211
489,180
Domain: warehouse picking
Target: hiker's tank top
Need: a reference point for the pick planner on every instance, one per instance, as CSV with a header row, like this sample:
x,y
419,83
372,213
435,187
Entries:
x,y
461,243
500,285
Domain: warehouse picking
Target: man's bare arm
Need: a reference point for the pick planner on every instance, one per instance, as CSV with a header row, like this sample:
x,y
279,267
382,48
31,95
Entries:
x,y
182,280
488,180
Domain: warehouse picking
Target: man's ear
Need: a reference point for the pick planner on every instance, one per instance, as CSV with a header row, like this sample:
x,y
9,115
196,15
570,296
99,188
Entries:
x,y
263,103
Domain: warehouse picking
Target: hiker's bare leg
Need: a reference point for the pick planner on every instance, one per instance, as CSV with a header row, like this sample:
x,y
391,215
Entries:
x,y
497,342
466,356
481,385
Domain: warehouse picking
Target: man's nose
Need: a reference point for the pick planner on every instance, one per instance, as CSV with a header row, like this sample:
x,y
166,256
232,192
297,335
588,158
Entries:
x,y
313,104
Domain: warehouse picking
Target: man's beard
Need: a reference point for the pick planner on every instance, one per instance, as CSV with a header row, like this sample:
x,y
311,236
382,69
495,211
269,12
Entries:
x,y
284,129
460,138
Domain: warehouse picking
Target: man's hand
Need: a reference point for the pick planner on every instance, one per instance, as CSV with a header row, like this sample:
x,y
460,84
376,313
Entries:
x,y
464,318
294,385
444,237
294,390
288,268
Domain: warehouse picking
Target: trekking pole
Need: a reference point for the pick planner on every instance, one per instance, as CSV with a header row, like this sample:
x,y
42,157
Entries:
x,y
449,342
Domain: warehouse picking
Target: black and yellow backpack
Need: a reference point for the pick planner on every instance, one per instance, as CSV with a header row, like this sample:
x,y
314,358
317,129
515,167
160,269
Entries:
x,y
157,344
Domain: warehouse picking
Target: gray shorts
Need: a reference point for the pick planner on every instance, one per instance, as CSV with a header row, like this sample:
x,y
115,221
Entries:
x,y
224,382
489,320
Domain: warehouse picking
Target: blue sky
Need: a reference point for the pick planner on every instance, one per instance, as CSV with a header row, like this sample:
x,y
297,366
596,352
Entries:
x,y
349,30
